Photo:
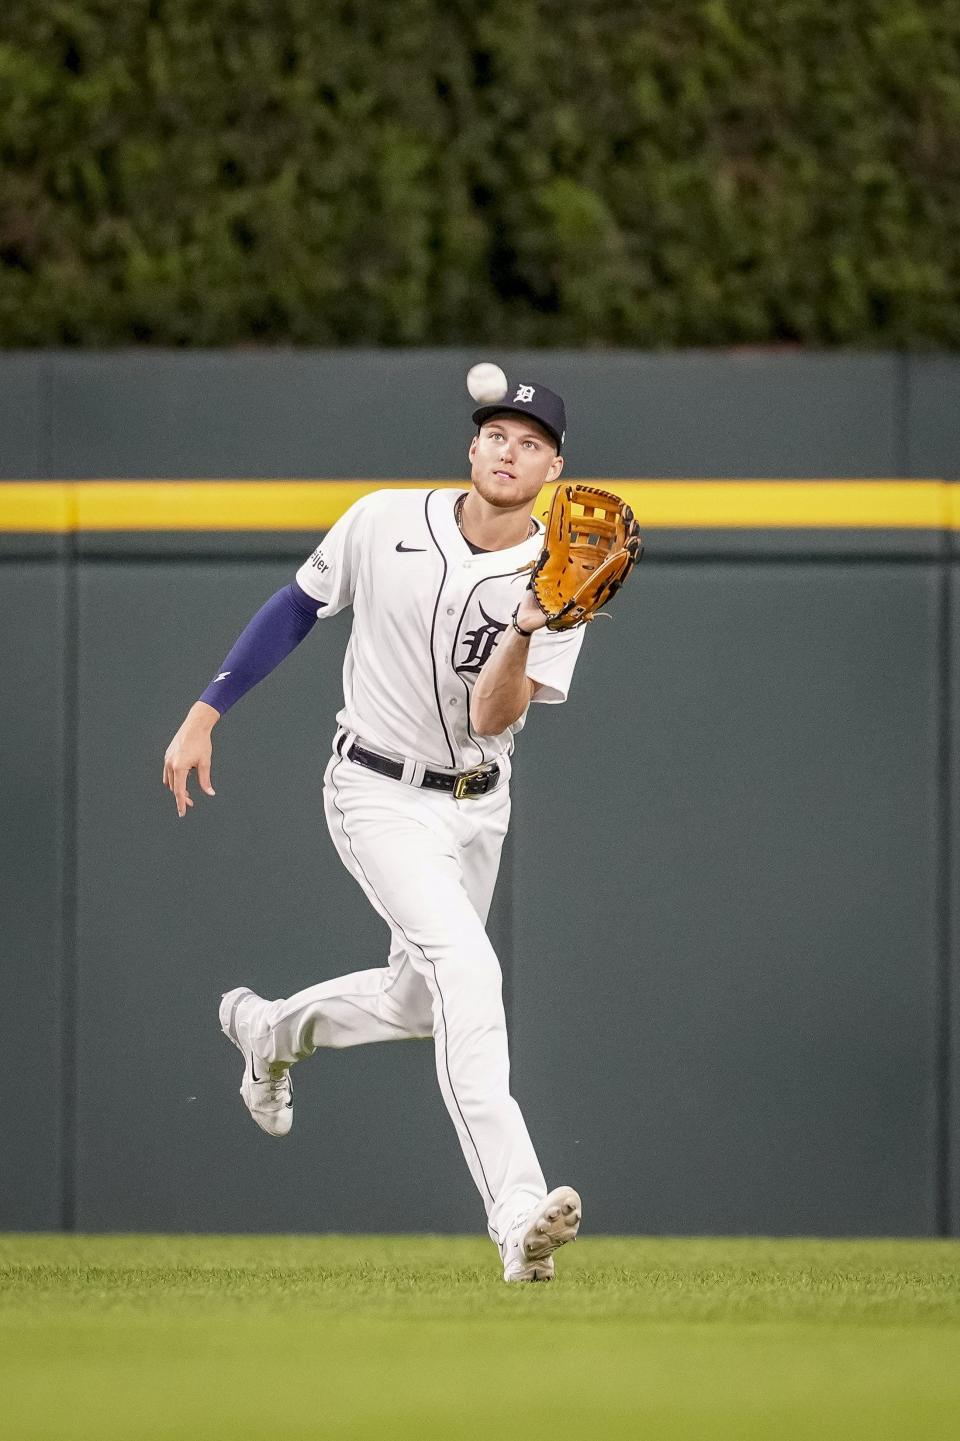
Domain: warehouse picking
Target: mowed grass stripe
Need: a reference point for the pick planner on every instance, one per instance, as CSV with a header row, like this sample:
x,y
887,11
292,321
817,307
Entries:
x,y
216,1337
885,1279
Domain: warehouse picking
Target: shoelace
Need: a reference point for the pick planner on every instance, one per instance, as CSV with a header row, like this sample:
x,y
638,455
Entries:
x,y
277,1087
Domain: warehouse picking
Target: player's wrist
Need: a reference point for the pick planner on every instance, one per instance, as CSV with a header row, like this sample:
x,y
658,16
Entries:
x,y
518,629
203,715
528,617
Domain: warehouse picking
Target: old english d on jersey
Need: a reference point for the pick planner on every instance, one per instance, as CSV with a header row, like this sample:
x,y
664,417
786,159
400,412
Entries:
x,y
428,613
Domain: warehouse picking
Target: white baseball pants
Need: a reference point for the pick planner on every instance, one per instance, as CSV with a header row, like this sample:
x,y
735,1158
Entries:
x,y
428,865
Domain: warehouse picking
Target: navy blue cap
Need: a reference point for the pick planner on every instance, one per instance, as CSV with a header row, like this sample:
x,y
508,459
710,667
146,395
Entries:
x,y
537,401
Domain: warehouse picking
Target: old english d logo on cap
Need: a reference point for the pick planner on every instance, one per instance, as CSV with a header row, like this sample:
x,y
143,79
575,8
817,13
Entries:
x,y
537,401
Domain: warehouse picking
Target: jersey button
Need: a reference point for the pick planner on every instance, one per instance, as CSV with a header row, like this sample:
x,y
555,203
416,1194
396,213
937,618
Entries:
x,y
453,701
451,610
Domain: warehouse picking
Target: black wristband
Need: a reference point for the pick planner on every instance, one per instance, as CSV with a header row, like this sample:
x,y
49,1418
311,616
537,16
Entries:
x,y
519,628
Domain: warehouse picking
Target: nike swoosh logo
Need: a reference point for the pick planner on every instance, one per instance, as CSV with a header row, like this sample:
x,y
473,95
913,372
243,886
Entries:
x,y
260,1080
409,549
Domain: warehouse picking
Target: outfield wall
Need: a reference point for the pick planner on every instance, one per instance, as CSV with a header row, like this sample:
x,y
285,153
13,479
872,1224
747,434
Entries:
x,y
728,935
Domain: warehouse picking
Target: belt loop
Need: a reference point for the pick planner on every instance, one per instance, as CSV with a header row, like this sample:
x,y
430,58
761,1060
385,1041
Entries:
x,y
413,773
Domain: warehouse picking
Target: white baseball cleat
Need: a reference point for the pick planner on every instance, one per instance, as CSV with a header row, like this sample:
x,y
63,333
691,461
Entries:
x,y
268,1096
533,1238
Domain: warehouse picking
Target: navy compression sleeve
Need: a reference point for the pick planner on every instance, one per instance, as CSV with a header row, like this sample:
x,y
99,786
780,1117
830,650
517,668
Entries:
x,y
277,628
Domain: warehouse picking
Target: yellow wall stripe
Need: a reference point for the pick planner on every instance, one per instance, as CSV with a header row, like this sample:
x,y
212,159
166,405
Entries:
x,y
313,505
26,505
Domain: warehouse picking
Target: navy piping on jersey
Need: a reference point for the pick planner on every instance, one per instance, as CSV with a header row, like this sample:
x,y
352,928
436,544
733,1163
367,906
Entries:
x,y
433,629
453,654
432,964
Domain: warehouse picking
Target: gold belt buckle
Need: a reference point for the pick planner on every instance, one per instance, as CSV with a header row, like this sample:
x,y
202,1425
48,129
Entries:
x,y
460,792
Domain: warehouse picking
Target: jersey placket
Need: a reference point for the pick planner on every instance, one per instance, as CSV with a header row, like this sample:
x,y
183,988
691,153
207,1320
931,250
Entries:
x,y
463,575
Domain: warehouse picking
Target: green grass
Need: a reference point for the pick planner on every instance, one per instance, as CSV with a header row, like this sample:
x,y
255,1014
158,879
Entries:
x,y
149,1338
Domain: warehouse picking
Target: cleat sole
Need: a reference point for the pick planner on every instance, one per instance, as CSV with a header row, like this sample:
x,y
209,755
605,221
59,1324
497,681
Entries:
x,y
554,1225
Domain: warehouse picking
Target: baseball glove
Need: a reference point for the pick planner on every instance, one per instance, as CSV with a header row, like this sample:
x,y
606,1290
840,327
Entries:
x,y
591,546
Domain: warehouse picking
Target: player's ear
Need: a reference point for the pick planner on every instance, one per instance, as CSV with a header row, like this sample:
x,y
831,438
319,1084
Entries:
x,y
473,446
556,465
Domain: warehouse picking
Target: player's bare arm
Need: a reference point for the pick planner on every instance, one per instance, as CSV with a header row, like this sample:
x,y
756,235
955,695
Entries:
x,y
503,689
191,749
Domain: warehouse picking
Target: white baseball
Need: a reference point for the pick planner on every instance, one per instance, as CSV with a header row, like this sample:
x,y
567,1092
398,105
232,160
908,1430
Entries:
x,y
486,382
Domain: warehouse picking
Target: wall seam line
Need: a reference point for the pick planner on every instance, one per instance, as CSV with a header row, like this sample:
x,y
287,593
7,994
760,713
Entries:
x,y
902,439
69,899
944,989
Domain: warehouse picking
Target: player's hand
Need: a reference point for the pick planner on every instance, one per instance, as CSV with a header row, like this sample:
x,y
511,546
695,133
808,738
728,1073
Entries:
x,y
191,748
529,615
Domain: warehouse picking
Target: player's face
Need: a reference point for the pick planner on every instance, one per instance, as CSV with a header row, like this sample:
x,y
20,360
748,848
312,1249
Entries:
x,y
511,460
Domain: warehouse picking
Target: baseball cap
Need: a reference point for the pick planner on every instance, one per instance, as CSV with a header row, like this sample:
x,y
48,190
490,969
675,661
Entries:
x,y
537,401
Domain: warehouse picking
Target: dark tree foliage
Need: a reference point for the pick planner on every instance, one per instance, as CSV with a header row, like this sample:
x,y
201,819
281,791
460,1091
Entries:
x,y
520,172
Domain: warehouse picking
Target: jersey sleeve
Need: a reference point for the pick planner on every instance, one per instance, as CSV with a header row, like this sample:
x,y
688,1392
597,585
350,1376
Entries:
x,y
551,661
329,575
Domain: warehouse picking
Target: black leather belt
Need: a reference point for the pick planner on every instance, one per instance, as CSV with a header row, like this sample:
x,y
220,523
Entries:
x,y
463,786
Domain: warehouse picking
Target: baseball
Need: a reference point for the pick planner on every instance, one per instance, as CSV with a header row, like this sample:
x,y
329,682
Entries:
x,y
486,382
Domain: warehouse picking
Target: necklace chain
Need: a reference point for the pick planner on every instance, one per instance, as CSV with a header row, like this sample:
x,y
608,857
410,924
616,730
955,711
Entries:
x,y
458,516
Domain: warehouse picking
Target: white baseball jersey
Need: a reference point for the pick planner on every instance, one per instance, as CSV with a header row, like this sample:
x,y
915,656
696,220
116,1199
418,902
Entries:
x,y
427,613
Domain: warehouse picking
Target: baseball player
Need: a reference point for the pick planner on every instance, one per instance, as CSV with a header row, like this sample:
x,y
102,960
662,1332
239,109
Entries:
x,y
447,651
